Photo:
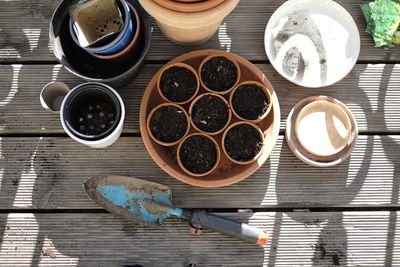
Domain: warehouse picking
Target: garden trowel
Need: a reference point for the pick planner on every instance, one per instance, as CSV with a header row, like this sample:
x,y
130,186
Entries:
x,y
150,204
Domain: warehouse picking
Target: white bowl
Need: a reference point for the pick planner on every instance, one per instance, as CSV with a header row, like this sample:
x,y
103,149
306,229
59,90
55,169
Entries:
x,y
312,43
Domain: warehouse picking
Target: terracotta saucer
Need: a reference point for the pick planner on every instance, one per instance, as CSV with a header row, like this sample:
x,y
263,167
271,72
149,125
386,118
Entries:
x,y
188,7
321,131
227,172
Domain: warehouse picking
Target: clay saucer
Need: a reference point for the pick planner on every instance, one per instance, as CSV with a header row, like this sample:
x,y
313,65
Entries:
x,y
321,131
227,172
189,7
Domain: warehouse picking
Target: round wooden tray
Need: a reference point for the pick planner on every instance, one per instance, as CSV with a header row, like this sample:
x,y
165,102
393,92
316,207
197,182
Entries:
x,y
227,172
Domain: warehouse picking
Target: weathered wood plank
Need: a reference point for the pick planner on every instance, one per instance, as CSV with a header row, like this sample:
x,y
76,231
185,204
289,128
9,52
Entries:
x,y
48,173
24,32
371,92
297,239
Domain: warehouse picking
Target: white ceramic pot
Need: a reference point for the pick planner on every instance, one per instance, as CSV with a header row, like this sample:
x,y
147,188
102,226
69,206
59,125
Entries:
x,y
96,141
189,28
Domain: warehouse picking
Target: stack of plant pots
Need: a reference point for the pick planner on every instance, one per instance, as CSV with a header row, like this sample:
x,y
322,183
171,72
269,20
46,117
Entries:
x,y
209,118
189,22
114,59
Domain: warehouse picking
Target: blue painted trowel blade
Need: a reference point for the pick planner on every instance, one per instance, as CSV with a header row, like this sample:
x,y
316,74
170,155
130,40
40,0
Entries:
x,y
133,199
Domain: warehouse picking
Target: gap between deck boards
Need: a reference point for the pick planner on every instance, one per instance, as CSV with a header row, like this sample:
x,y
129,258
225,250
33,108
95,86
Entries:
x,y
281,133
224,210
7,61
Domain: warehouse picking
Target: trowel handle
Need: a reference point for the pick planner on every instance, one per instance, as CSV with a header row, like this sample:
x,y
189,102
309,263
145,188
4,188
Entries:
x,y
201,219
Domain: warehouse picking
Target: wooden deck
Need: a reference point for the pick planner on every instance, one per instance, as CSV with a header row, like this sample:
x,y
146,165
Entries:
x,y
347,215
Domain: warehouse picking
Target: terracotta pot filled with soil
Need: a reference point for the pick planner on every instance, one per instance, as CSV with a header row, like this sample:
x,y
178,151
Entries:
x,y
178,83
242,142
198,154
251,101
167,124
210,113
219,73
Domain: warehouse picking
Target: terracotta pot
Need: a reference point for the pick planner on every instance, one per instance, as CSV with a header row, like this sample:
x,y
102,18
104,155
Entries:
x,y
256,156
182,65
194,125
132,48
189,28
198,174
189,7
265,90
161,142
230,58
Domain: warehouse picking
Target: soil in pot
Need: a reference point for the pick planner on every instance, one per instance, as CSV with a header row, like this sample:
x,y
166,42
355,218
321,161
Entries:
x,y
178,84
250,101
198,154
243,142
210,113
219,74
168,124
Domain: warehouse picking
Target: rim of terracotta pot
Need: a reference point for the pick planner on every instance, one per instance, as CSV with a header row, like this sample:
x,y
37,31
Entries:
x,y
247,161
186,7
231,59
151,114
266,92
198,174
188,20
197,99
182,65
186,1
130,46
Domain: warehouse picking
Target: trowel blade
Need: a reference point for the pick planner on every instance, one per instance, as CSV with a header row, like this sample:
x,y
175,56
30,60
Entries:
x,y
133,199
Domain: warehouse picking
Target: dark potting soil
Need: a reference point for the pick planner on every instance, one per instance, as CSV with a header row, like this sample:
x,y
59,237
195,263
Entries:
x,y
178,84
168,124
219,74
210,114
250,102
198,154
94,118
242,142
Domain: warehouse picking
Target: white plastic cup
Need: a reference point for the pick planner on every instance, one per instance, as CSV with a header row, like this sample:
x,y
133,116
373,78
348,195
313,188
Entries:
x,y
52,96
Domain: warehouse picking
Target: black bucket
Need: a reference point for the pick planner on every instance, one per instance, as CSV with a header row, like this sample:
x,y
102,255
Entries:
x,y
79,62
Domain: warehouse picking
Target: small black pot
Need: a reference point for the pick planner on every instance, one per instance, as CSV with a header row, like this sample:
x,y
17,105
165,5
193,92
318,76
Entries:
x,y
79,62
91,105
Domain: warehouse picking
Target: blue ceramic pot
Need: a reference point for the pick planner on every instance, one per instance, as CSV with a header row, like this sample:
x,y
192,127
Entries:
x,y
120,41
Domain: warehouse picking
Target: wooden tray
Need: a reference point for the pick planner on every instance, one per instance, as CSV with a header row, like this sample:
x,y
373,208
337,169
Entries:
x,y
227,172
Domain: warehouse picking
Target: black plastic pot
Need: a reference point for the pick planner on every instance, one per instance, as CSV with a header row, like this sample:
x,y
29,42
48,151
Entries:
x,y
79,62
94,106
